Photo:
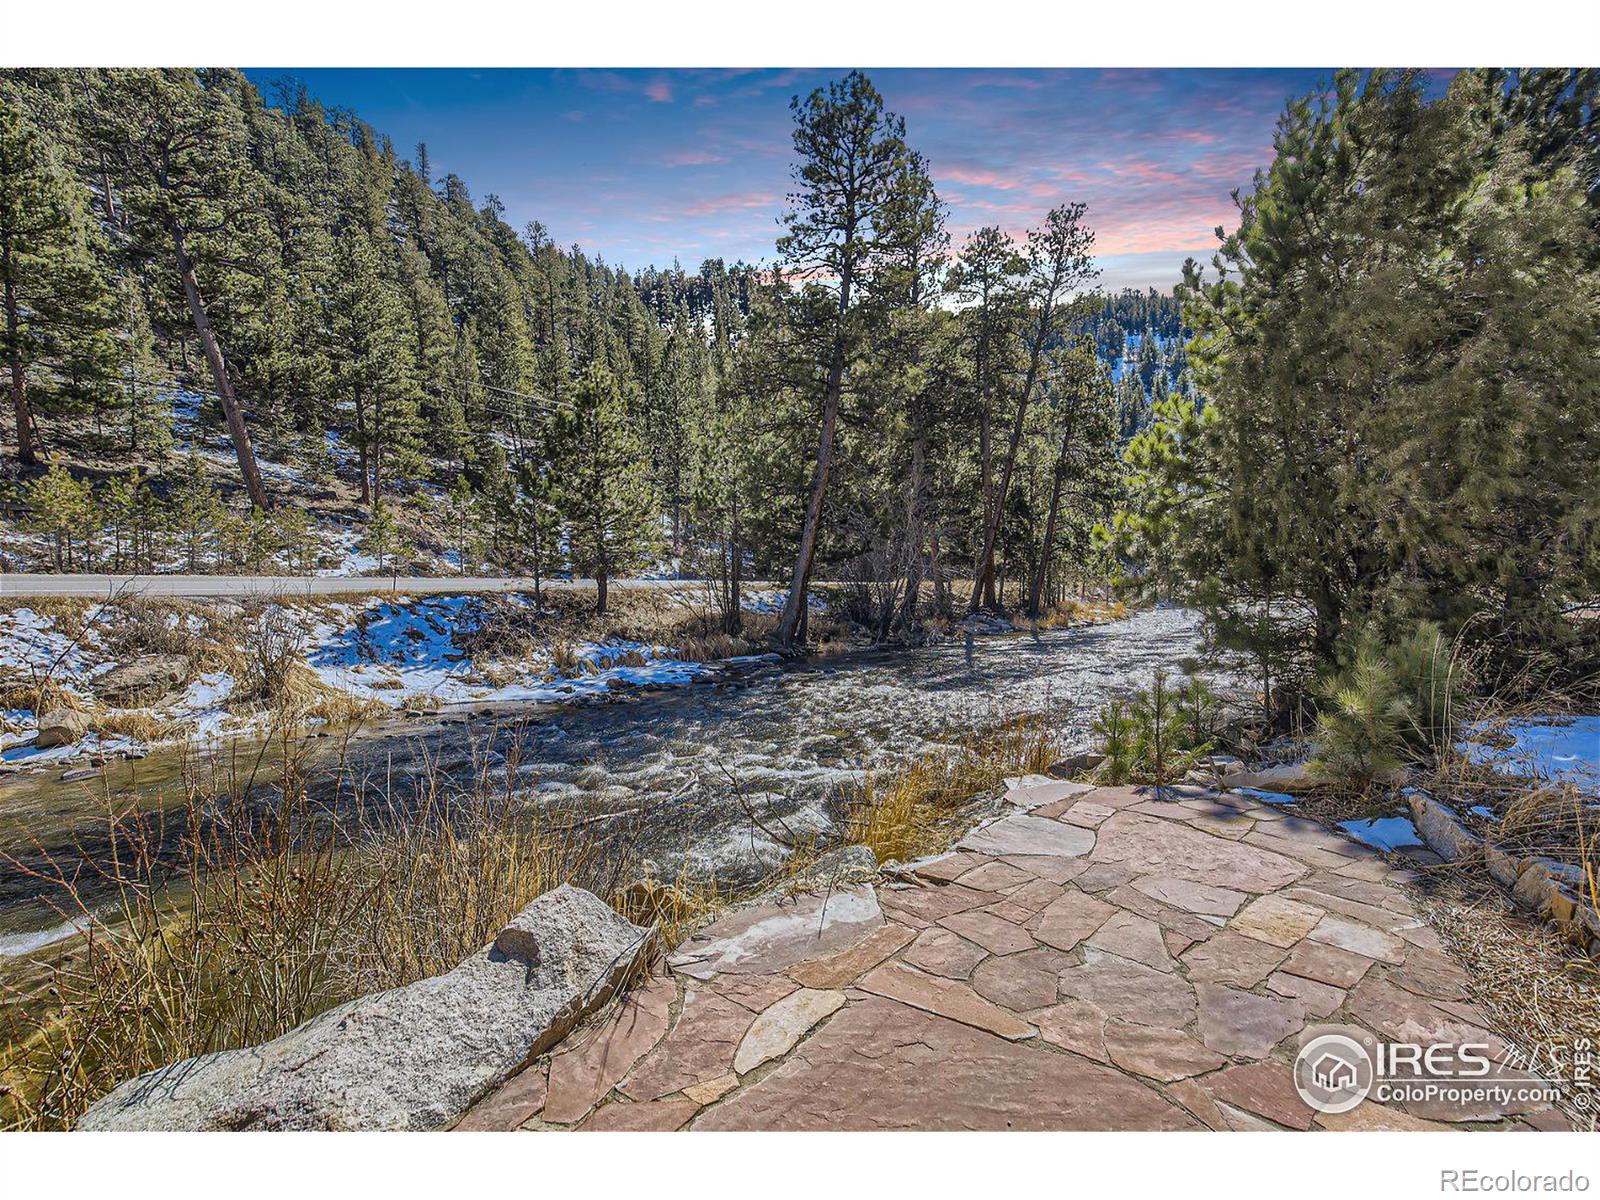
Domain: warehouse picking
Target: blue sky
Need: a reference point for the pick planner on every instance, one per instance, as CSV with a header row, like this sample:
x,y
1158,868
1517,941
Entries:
x,y
649,166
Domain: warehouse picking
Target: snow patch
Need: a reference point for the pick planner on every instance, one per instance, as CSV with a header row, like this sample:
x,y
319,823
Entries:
x,y
1383,833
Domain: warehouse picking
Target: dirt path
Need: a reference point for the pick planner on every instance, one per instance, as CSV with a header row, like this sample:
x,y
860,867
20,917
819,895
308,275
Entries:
x,y
1096,959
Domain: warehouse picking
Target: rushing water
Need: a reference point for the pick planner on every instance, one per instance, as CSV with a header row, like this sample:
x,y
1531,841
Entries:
x,y
775,739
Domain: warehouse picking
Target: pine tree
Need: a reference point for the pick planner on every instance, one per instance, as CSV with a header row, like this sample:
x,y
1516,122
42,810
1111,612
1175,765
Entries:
x,y
375,373
174,141
603,483
464,524
62,508
196,512
1058,266
852,163
57,314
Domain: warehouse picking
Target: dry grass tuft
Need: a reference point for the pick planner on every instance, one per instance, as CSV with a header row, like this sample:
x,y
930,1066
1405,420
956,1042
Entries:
x,y
919,809
564,658
239,916
1541,993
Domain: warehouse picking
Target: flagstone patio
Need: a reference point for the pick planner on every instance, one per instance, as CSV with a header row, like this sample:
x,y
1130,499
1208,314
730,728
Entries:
x,y
1096,958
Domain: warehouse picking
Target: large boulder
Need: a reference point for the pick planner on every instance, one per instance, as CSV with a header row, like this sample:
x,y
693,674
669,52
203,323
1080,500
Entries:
x,y
414,1058
143,679
61,727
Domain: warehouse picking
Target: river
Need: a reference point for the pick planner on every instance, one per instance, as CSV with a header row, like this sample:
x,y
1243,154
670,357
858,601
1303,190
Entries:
x,y
775,738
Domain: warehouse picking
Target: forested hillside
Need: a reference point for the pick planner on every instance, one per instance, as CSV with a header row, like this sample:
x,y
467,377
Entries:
x,y
246,329
341,312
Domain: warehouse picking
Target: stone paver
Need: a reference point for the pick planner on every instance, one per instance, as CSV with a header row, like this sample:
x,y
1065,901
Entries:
x,y
946,998
777,1030
583,1071
1028,834
1096,959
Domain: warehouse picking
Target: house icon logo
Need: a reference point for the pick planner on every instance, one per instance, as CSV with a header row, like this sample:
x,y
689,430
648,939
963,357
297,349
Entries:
x,y
1333,1073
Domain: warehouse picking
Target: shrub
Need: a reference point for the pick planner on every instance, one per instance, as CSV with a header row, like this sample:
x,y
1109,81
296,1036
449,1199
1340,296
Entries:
x,y
1117,733
1361,725
1427,669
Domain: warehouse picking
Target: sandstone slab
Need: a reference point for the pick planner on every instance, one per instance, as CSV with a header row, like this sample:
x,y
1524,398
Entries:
x,y
994,934
1152,846
1021,981
509,1106
880,1065
1276,920
1131,936
1327,964
1023,834
775,1031
849,965
1068,920
1232,958
766,938
1245,1025
1161,1054
949,999
940,951
1074,1025
1264,1088
1130,990
1358,939
1191,896
699,1048
652,1116
581,1074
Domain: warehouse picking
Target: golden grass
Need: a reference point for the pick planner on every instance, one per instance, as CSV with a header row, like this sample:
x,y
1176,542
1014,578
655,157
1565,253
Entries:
x,y
236,919
1540,992
918,809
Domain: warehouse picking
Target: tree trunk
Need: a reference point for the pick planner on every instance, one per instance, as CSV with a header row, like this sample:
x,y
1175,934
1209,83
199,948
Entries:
x,y
363,461
1036,591
986,448
219,371
914,521
983,581
602,572
19,391
733,618
792,624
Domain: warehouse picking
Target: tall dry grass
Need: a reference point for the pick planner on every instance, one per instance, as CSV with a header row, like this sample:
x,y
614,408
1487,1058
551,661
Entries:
x,y
918,809
234,918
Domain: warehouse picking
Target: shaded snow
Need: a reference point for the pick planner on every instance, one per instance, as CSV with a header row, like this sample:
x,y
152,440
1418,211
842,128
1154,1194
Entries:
x,y
1562,748
1279,798
1383,833
772,600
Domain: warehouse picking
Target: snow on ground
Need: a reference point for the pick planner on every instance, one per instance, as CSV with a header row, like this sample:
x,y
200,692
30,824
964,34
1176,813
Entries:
x,y
31,644
345,544
404,653
772,600
398,652
1282,799
1563,748
1383,833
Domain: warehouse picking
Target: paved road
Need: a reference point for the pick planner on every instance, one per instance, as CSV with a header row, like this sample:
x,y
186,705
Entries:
x,y
195,586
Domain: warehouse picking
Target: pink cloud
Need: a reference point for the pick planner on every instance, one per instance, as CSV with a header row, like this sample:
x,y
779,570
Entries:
x,y
732,201
659,90
692,158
